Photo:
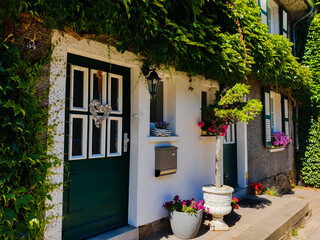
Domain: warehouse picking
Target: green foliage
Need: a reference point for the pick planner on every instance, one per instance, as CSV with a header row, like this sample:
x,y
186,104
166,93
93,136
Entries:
x,y
198,37
309,131
273,191
24,163
229,107
310,171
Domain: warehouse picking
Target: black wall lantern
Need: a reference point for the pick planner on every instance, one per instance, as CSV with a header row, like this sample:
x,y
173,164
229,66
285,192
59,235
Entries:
x,y
153,82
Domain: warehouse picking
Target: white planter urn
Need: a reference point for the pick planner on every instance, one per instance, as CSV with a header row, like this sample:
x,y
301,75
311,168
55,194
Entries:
x,y
218,200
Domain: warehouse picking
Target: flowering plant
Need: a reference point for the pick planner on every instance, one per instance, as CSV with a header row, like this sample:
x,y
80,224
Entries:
x,y
256,186
211,128
234,203
279,139
187,206
162,125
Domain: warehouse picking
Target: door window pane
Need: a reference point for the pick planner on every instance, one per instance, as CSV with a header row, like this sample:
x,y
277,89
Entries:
x,y
78,89
114,136
77,138
97,140
98,92
115,93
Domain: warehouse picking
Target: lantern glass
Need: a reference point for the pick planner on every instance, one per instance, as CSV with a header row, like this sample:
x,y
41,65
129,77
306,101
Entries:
x,y
153,82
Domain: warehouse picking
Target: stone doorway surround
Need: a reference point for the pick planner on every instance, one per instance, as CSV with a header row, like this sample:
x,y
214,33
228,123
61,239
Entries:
x,y
63,44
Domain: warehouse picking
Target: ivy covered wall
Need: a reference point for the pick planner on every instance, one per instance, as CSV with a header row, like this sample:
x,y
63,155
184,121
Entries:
x,y
219,39
309,124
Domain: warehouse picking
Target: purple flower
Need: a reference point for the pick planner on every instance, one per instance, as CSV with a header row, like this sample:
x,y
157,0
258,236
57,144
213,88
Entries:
x,y
176,198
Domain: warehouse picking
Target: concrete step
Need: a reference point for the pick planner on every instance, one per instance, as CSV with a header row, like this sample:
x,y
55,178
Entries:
x,y
279,223
123,233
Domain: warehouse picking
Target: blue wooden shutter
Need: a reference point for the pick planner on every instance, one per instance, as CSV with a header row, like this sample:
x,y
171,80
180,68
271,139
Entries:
x,y
285,115
267,117
283,22
263,4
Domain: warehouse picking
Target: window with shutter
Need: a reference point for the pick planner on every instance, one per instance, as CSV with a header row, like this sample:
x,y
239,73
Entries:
x,y
285,115
283,22
267,117
263,4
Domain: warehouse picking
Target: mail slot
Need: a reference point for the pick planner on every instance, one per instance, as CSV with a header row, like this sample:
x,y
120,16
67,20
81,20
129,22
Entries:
x,y
166,160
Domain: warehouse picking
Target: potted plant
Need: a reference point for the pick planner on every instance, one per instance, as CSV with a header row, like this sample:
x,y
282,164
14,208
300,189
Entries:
x,y
161,129
256,188
228,108
185,216
234,203
280,139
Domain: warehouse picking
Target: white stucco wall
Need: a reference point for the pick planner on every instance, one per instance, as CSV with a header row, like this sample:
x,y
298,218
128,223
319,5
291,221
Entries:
x,y
146,193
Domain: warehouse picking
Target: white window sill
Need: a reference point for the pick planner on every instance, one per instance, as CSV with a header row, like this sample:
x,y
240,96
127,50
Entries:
x,y
208,138
155,139
272,150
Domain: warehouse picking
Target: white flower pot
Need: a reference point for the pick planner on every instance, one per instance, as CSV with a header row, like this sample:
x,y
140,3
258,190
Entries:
x,y
218,200
185,225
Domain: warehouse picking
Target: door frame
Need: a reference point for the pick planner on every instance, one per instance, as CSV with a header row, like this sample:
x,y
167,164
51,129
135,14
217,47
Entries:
x,y
242,155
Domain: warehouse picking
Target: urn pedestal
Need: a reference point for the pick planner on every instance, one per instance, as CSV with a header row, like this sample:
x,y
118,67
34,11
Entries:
x,y
218,200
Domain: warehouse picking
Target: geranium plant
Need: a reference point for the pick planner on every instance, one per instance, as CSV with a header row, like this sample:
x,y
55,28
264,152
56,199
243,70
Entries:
x,y
228,108
279,139
188,206
234,203
256,186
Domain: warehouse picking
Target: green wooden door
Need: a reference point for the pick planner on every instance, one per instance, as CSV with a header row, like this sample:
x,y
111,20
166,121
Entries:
x,y
230,158
96,159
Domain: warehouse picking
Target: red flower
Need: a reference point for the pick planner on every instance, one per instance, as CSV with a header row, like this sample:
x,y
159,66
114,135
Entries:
x,y
235,199
200,124
237,206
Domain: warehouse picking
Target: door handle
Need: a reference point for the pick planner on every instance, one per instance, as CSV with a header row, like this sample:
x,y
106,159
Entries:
x,y
125,142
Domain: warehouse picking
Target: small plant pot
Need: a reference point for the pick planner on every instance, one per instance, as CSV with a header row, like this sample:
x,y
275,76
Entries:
x,y
257,192
185,225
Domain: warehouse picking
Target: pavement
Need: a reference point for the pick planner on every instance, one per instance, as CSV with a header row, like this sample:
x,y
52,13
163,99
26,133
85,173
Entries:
x,y
267,217
310,230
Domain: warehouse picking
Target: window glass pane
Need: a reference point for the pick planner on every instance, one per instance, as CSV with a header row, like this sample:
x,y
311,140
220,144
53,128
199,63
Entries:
x,y
272,115
269,20
95,88
203,99
114,138
264,18
285,20
96,139
115,93
77,137
78,80
156,105
263,5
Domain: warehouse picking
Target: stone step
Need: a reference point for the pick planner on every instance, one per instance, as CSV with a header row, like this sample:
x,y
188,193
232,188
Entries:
x,y
123,233
279,223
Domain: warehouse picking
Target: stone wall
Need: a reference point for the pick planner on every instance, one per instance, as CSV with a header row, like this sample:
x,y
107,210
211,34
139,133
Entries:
x,y
262,164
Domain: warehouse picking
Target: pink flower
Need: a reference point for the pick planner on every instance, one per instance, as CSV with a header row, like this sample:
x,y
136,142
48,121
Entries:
x,y
224,129
212,129
200,124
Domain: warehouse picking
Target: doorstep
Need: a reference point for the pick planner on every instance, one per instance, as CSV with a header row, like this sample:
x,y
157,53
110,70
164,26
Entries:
x,y
239,192
123,233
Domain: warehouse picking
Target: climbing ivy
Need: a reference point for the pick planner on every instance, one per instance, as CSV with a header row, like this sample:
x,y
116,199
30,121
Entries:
x,y
198,37
24,162
310,112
